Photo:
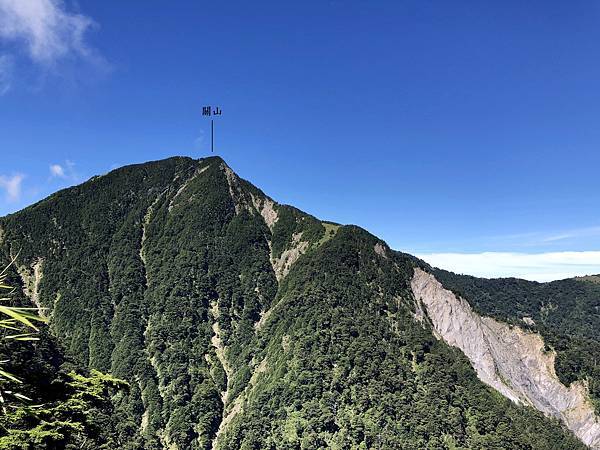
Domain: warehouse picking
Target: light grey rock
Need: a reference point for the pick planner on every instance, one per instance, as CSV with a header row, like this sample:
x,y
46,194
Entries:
x,y
509,359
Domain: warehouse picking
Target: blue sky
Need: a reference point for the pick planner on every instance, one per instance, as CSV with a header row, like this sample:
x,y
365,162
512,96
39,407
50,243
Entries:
x,y
446,128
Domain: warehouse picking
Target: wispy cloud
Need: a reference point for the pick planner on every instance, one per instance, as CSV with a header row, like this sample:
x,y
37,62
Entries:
x,y
530,266
541,238
572,234
199,141
46,28
6,69
12,186
581,238
47,31
65,171
56,170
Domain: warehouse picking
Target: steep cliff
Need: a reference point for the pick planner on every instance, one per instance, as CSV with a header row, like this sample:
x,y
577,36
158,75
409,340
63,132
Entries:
x,y
508,358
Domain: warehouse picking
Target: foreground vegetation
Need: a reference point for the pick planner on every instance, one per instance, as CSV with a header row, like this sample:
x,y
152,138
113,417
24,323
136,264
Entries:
x,y
43,406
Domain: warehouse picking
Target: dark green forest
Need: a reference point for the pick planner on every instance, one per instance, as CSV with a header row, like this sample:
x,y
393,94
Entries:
x,y
182,317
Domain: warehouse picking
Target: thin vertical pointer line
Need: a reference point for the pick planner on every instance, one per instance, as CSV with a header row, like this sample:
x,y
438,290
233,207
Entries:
x,y
212,136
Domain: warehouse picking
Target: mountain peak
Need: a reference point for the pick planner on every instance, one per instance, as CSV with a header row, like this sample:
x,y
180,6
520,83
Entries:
x,y
230,314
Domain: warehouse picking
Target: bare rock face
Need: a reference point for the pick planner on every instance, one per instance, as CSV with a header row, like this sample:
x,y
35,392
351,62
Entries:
x,y
509,359
31,277
283,264
267,209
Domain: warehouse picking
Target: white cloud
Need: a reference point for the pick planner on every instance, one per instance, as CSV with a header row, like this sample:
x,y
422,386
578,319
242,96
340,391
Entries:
x,y
530,266
64,171
56,170
49,34
12,186
48,30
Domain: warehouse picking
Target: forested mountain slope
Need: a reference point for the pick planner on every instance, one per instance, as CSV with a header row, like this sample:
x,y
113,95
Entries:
x,y
240,323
